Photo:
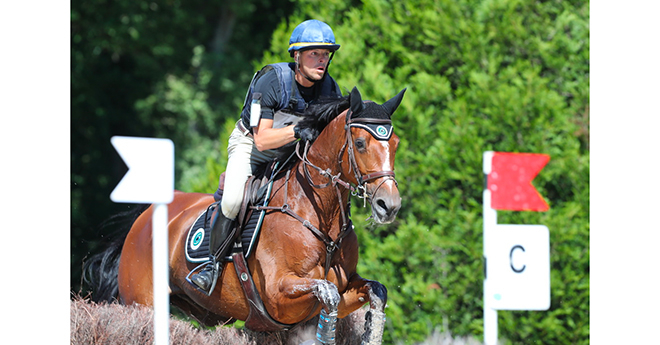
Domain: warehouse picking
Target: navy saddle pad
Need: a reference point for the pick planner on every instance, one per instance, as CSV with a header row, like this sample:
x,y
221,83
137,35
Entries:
x,y
197,241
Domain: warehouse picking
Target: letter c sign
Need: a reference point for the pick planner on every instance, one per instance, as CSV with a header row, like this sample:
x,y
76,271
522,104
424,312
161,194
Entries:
x,y
517,270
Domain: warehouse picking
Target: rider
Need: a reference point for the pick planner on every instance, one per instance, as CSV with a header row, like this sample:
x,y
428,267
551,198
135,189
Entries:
x,y
256,138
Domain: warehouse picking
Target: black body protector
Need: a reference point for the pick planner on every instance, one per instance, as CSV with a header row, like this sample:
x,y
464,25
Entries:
x,y
292,103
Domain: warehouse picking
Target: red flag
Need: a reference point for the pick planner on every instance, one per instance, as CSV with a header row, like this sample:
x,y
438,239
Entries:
x,y
510,181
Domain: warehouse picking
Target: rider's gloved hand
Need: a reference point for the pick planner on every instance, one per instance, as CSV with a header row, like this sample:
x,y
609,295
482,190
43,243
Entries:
x,y
305,134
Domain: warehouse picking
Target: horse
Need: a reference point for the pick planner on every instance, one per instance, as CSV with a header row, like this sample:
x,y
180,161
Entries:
x,y
304,263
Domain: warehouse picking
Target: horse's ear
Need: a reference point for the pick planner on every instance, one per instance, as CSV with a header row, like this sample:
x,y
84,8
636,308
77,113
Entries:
x,y
356,101
391,105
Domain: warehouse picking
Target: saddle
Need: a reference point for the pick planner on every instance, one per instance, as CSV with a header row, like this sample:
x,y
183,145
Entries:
x,y
248,223
257,192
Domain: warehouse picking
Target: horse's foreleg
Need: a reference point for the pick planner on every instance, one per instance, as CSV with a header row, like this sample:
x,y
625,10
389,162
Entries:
x,y
328,295
375,317
359,290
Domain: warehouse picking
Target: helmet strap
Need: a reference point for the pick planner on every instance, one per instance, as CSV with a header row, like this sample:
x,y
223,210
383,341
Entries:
x,y
303,74
330,59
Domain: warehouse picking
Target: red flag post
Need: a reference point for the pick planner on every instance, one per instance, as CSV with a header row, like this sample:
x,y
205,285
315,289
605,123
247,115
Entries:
x,y
516,256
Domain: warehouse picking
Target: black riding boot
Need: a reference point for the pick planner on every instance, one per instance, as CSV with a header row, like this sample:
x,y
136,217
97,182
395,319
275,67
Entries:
x,y
220,233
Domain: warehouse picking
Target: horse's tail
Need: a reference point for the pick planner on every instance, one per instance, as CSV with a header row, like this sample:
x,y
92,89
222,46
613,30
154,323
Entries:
x,y
100,271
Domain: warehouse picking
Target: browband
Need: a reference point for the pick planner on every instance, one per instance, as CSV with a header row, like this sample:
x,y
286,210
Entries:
x,y
380,129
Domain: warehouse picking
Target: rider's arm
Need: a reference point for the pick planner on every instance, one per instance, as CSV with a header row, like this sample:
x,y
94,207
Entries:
x,y
266,137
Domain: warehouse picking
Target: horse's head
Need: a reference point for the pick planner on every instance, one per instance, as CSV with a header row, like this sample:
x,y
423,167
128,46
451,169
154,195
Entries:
x,y
369,152
357,137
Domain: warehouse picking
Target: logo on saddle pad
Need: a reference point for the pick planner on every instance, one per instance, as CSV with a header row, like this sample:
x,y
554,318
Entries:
x,y
197,239
197,243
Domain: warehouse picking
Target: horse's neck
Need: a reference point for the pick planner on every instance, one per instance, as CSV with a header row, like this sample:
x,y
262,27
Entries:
x,y
326,150
324,153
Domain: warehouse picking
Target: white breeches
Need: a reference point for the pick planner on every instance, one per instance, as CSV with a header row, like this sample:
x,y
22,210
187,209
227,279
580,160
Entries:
x,y
243,159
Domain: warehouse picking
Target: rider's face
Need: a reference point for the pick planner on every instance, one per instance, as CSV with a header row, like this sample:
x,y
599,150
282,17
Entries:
x,y
313,63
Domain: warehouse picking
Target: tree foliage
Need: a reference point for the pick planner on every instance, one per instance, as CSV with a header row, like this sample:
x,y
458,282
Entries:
x,y
171,69
500,75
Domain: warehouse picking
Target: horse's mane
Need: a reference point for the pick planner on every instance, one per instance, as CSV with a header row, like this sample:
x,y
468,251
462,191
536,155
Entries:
x,y
317,115
320,113
325,110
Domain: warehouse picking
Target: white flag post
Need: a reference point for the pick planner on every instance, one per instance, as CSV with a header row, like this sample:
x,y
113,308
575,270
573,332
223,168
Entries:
x,y
150,179
490,221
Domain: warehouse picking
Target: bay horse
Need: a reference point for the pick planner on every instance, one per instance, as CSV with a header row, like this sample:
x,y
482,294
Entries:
x,y
305,261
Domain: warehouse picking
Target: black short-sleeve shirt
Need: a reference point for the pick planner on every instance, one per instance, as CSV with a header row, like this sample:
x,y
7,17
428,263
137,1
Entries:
x,y
271,93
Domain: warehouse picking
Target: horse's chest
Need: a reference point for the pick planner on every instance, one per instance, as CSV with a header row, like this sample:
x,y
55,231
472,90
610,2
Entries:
x,y
314,266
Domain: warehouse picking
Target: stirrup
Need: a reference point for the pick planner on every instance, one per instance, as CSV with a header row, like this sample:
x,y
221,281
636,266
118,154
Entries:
x,y
213,283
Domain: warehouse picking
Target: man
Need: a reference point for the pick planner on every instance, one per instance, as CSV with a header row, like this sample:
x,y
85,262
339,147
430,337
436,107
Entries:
x,y
277,93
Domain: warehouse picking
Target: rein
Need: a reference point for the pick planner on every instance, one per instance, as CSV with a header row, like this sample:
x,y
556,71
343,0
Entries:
x,y
330,245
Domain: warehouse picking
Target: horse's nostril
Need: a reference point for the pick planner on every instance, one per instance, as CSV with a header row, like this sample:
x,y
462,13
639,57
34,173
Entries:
x,y
382,204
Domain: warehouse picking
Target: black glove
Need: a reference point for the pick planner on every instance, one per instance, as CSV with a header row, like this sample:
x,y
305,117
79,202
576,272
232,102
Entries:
x,y
305,134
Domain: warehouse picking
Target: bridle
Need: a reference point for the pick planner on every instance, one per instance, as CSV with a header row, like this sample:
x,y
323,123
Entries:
x,y
360,189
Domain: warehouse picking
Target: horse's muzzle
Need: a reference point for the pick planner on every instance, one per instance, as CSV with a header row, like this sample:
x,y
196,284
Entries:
x,y
385,202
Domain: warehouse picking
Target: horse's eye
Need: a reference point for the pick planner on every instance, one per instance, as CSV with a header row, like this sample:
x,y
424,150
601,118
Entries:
x,y
360,144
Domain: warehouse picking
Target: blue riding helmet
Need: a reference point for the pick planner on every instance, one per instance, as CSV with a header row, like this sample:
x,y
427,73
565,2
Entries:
x,y
312,34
